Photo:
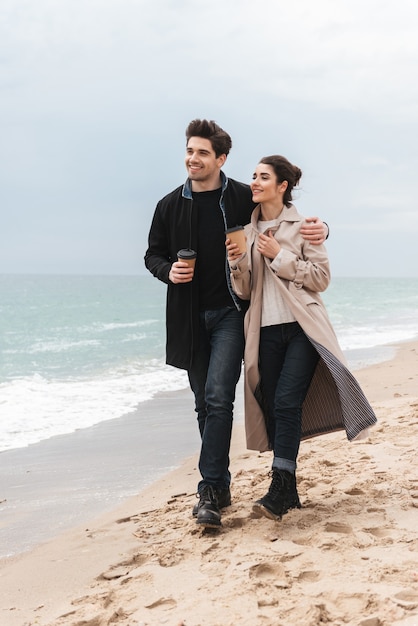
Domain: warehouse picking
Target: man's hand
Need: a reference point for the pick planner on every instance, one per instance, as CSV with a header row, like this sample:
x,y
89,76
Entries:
x,y
314,230
181,273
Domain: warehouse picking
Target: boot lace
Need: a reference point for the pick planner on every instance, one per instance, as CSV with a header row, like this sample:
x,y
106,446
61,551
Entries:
x,y
279,484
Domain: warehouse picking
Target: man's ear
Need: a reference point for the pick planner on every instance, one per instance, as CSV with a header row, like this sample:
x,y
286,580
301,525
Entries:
x,y
221,160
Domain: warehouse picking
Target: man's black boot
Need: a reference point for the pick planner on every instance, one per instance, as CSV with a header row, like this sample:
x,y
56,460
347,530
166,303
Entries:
x,y
281,496
224,500
208,513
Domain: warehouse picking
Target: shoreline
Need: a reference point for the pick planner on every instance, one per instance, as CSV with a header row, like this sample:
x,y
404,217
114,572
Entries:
x,y
68,476
358,498
69,479
357,358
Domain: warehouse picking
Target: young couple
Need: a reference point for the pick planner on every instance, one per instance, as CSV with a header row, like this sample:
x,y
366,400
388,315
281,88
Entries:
x,y
296,382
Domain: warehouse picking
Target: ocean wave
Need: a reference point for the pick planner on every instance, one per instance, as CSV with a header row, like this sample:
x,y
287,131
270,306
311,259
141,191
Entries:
x,y
38,408
371,336
60,345
102,327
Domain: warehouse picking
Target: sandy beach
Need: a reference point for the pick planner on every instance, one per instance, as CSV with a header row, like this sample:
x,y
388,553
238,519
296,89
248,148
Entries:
x,y
349,556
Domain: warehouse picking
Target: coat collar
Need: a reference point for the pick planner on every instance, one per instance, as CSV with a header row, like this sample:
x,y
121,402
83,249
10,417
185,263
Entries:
x,y
187,187
289,214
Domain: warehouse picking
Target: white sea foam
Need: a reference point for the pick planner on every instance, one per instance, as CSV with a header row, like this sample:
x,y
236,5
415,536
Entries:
x,y
120,325
34,408
59,345
369,337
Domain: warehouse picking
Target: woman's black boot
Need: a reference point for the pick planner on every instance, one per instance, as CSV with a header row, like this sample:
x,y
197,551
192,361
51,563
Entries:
x,y
281,496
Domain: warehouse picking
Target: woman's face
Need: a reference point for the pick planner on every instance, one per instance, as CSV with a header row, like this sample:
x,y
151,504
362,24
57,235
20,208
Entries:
x,y
264,185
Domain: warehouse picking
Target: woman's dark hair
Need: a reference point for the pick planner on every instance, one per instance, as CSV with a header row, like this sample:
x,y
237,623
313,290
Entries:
x,y
284,170
208,129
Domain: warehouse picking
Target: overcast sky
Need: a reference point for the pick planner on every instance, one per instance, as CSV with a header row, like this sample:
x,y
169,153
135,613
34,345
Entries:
x,y
95,96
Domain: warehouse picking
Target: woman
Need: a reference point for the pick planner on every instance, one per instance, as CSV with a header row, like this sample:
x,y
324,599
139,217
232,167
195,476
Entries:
x,y
297,384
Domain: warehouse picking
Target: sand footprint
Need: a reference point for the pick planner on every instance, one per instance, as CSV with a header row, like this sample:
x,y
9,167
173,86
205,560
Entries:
x,y
379,532
88,612
354,491
96,621
119,570
168,603
338,527
267,579
407,599
329,463
309,576
171,556
263,573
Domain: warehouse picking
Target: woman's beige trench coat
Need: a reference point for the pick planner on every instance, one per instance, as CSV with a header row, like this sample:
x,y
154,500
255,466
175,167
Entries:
x,y
334,400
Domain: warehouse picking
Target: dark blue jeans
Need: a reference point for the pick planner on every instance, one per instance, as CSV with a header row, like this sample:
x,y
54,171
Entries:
x,y
213,378
287,364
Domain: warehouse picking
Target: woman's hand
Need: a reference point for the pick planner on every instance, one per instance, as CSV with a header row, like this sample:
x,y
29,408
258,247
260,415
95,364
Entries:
x,y
268,246
233,251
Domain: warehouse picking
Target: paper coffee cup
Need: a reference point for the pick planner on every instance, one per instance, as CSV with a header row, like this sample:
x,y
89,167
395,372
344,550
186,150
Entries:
x,y
237,235
187,255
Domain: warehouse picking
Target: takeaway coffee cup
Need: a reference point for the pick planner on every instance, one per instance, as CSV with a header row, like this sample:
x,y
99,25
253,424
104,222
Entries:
x,y
237,235
187,255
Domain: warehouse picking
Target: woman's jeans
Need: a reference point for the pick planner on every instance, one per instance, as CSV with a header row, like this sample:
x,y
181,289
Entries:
x,y
213,378
287,364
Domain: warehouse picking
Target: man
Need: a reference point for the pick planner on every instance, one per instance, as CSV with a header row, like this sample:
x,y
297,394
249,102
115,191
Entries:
x,y
204,317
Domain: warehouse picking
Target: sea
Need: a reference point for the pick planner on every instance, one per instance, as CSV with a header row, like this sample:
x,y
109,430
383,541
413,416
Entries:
x,y
78,350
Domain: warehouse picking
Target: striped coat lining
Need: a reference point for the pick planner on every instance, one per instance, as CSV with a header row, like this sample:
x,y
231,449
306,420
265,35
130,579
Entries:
x,y
334,400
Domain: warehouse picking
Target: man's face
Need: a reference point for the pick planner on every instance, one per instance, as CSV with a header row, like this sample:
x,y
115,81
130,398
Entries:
x,y
202,164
